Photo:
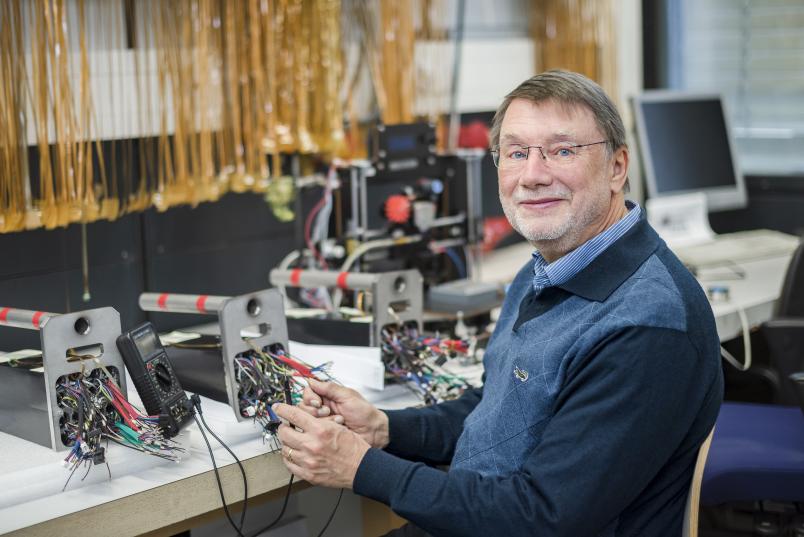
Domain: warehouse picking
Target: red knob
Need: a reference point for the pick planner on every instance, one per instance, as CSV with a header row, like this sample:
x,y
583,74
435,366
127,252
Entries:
x,y
397,209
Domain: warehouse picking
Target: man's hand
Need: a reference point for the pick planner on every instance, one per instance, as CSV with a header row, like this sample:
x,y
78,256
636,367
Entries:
x,y
322,452
346,406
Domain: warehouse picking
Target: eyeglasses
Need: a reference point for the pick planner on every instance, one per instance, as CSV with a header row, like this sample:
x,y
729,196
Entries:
x,y
559,155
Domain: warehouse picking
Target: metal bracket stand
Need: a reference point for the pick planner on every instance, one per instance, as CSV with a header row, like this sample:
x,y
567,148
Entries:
x,y
261,312
28,401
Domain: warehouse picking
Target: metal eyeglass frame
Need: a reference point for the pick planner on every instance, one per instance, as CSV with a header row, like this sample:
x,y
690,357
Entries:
x,y
495,153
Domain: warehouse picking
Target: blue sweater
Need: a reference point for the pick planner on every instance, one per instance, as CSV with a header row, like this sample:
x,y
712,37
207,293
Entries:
x,y
598,394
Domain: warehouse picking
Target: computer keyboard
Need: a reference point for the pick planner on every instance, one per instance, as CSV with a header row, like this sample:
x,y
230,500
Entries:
x,y
738,247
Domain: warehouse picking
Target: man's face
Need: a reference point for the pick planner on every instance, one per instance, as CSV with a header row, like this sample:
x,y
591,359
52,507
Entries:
x,y
565,204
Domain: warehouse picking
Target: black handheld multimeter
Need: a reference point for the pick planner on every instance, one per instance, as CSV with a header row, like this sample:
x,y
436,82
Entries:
x,y
153,376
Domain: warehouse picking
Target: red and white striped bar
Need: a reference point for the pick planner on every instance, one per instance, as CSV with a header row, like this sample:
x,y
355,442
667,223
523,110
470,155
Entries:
x,y
32,320
178,303
323,278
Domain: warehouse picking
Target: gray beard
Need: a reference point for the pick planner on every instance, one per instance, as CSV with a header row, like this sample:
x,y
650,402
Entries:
x,y
562,238
548,235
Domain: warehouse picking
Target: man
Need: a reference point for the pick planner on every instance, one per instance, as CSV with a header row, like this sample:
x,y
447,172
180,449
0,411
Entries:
x,y
602,376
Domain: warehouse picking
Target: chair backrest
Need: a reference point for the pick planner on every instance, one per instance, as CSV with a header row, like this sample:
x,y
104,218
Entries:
x,y
690,528
791,299
785,339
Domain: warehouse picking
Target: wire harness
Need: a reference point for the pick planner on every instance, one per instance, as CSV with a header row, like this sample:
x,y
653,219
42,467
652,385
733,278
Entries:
x,y
417,361
270,375
93,410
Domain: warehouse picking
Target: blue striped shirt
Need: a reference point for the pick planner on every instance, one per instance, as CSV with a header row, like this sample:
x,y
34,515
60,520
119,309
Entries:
x,y
563,269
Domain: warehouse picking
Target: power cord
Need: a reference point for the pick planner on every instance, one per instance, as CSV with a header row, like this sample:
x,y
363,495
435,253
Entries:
x,y
746,332
332,514
281,512
285,505
199,413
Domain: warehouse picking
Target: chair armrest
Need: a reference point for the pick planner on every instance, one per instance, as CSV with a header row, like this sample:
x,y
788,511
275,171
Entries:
x,y
789,323
785,339
798,384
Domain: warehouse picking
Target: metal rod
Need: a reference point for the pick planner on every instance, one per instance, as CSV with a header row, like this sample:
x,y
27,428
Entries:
x,y
86,296
323,278
178,303
354,222
364,224
30,319
454,115
472,160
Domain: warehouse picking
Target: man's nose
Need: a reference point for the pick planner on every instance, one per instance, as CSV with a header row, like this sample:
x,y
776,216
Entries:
x,y
535,172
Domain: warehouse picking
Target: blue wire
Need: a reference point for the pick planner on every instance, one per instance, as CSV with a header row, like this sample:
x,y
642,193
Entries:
x,y
456,259
271,415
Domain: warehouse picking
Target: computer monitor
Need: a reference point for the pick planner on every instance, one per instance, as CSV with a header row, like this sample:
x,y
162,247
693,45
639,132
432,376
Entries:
x,y
686,146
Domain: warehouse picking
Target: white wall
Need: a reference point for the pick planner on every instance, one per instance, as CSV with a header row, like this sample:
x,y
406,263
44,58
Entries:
x,y
490,68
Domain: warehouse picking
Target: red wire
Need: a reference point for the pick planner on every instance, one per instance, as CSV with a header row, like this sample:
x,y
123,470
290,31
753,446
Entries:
x,y
127,412
304,370
124,414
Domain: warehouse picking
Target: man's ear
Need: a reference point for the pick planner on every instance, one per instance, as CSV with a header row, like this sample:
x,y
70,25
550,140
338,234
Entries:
x,y
619,169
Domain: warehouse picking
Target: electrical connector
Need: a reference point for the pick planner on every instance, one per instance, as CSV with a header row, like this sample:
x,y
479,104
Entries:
x,y
99,457
195,400
273,421
288,393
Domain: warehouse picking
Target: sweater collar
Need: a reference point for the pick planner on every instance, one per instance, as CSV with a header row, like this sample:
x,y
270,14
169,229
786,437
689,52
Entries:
x,y
615,264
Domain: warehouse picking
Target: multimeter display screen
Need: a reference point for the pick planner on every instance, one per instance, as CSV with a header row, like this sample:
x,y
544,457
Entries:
x,y
146,343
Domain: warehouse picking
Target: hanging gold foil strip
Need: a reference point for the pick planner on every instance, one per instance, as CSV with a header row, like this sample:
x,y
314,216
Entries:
x,y
218,89
406,50
397,65
13,158
577,35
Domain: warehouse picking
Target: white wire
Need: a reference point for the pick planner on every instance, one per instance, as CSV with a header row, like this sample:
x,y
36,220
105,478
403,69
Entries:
x,y
283,265
321,228
729,357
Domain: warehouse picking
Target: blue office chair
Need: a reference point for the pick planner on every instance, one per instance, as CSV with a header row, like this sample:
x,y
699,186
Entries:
x,y
757,452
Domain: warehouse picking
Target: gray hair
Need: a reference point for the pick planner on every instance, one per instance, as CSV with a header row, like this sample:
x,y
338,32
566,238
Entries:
x,y
571,89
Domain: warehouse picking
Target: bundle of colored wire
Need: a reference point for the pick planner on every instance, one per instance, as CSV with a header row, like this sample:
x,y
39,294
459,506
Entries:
x,y
416,361
268,376
95,409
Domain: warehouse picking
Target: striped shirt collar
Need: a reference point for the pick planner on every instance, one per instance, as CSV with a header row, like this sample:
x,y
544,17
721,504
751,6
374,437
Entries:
x,y
565,268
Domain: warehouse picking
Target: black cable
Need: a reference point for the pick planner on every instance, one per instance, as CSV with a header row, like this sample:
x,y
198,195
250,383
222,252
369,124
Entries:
x,y
239,464
196,401
281,513
217,477
332,514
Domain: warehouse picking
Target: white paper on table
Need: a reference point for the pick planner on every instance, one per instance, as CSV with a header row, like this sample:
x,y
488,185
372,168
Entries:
x,y
357,367
18,355
177,336
21,354
681,220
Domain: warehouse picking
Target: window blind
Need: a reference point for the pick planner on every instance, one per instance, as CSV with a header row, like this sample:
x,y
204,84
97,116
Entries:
x,y
751,52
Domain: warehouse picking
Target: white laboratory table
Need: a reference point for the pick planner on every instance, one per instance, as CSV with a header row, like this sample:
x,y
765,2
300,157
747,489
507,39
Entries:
x,y
753,286
755,292
145,494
